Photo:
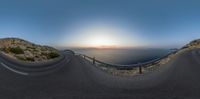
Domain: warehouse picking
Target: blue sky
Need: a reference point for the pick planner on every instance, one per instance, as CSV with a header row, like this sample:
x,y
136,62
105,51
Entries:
x,y
151,23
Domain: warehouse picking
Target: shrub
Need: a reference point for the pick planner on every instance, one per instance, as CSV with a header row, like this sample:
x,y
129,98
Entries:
x,y
43,49
21,58
5,49
52,55
16,50
30,59
25,58
44,54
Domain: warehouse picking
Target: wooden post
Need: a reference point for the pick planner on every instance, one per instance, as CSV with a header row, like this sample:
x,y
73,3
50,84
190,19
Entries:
x,y
140,69
93,61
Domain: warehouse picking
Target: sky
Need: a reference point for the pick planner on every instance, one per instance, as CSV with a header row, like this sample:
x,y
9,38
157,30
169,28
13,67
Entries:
x,y
102,23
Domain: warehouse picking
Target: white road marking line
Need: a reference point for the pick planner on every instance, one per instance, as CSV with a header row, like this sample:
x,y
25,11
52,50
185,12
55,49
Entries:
x,y
22,73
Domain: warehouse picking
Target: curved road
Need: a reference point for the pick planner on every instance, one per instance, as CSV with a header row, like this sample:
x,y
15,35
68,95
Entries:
x,y
79,79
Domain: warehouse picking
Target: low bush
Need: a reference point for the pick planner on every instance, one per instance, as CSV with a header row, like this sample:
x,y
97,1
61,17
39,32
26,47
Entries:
x,y
25,58
5,49
52,55
30,59
16,50
20,58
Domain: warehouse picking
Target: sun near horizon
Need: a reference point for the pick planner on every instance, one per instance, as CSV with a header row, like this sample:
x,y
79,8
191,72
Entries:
x,y
101,35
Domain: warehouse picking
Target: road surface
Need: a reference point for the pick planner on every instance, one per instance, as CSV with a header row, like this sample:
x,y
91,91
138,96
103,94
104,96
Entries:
x,y
79,79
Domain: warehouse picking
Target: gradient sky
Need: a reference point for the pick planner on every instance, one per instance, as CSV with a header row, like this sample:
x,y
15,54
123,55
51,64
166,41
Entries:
x,y
133,23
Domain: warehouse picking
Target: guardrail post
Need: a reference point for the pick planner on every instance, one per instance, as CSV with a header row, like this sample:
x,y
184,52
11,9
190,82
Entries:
x,y
84,56
140,69
93,61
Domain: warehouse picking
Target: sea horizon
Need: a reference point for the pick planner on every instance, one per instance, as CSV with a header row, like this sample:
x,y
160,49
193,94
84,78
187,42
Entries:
x,y
124,56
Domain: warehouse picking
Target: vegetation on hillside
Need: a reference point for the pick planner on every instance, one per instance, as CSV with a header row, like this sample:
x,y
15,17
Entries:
x,y
27,51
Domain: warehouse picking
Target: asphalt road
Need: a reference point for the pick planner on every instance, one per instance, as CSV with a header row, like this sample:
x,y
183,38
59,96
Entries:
x,y
79,79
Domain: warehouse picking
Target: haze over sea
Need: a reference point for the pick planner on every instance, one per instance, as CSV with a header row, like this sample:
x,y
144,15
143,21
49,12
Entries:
x,y
124,56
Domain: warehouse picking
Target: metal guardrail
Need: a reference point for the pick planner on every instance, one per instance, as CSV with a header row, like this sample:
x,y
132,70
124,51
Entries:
x,y
126,67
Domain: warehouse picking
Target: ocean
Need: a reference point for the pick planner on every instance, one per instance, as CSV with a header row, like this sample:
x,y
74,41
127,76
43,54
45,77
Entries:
x,y
124,56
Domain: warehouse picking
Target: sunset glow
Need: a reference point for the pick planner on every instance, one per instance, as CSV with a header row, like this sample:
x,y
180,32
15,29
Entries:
x,y
101,41
102,35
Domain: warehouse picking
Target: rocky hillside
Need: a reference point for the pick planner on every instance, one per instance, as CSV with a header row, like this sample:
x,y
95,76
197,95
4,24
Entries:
x,y
193,44
27,51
